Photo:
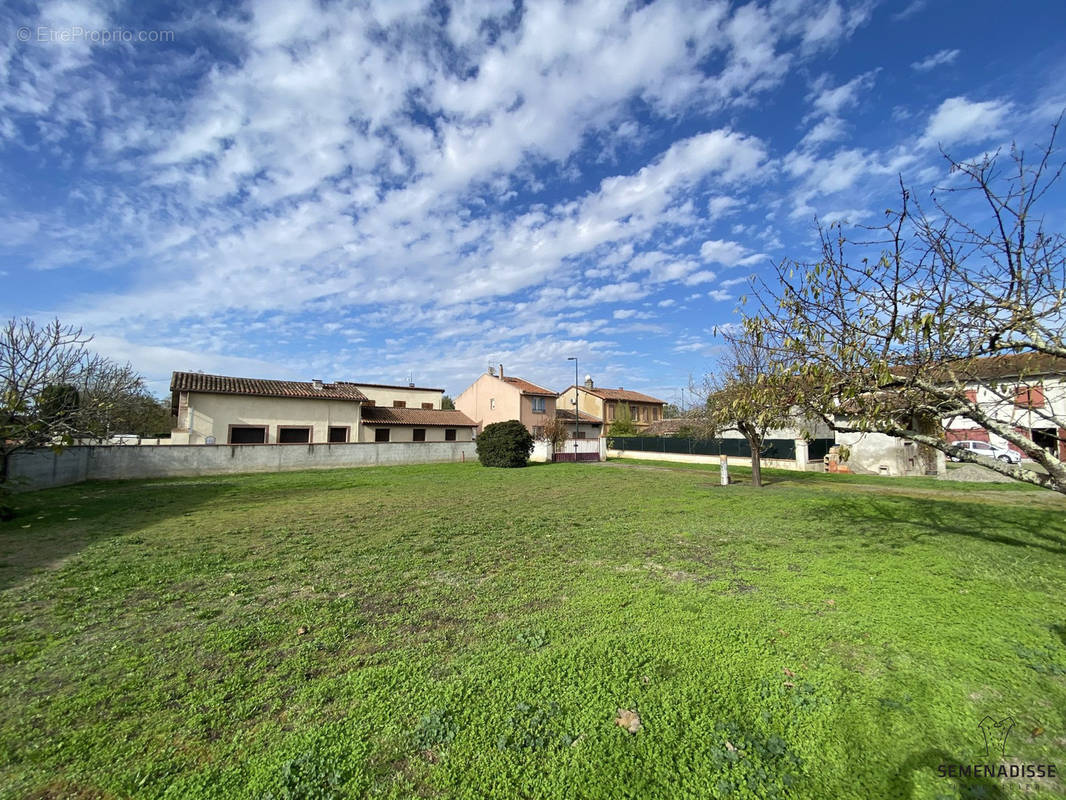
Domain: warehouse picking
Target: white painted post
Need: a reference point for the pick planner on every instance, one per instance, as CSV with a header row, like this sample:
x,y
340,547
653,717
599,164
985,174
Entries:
x,y
801,454
724,469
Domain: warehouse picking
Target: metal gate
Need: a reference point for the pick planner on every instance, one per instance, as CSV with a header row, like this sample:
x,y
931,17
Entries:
x,y
578,450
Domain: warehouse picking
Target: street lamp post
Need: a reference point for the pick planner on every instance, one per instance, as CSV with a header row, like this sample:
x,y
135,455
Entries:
x,y
577,414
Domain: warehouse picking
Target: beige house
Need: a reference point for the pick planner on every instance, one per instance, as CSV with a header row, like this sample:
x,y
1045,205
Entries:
x,y
409,396
496,398
603,404
589,427
219,409
399,424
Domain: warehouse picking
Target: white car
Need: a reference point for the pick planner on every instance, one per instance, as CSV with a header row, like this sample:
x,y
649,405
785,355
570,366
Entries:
x,y
988,450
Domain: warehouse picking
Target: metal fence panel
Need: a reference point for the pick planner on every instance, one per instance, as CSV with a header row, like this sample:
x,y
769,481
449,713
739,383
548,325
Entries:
x,y
772,448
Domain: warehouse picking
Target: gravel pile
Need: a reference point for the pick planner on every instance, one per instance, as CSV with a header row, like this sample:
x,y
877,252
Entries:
x,y
975,474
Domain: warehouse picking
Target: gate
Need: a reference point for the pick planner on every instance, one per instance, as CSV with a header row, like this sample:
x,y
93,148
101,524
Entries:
x,y
578,450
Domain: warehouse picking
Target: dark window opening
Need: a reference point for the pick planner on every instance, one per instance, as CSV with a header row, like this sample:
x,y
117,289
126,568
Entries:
x,y
399,404
1046,438
427,406
338,435
381,434
293,435
418,435
449,434
248,434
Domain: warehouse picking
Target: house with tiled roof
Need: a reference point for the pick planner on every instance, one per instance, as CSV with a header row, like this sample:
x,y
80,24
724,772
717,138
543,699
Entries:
x,y
496,397
604,404
220,409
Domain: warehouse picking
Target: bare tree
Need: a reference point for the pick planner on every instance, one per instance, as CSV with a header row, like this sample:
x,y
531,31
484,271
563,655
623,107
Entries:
x,y
557,432
54,389
955,313
749,393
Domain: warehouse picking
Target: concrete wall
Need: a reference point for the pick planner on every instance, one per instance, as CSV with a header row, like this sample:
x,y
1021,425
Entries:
x,y
542,450
405,433
212,414
41,468
878,454
413,396
800,464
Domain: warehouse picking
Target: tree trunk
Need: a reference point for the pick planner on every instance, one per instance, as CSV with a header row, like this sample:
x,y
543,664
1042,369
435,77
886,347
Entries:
x,y
755,444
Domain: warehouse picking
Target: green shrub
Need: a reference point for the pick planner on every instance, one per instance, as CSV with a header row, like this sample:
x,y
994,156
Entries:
x,y
504,444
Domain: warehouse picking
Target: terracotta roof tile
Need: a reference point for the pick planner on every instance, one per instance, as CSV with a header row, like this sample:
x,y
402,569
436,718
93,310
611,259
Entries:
x,y
567,415
223,384
622,394
381,415
525,387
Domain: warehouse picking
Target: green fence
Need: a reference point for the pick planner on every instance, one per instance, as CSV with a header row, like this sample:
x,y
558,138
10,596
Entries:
x,y
772,448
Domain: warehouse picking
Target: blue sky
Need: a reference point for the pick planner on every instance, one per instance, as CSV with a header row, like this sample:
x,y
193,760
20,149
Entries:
x,y
404,189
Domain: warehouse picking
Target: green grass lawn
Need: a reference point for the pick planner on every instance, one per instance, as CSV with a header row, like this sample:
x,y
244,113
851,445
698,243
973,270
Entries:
x,y
454,631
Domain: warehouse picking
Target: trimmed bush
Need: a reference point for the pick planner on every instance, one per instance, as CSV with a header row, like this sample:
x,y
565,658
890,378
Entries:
x,y
504,444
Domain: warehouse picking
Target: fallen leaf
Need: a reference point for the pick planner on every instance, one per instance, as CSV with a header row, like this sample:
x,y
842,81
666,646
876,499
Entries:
x,y
830,602
646,679
729,746
1037,731
628,720
790,673
789,684
301,631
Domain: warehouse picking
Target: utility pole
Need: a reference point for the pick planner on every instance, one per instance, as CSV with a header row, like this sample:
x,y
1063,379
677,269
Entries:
x,y
577,405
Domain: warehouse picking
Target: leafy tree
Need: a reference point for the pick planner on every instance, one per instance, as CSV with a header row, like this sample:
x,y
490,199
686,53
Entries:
x,y
671,411
623,424
504,444
557,432
749,394
892,327
447,404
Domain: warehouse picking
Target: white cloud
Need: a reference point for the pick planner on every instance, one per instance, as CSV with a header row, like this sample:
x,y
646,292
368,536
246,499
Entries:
x,y
728,253
937,59
960,120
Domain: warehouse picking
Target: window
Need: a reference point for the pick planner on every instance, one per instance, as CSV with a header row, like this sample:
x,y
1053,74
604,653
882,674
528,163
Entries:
x,y
369,402
449,434
247,434
579,435
492,402
418,435
634,413
610,411
1029,396
381,434
292,434
399,404
538,405
427,406
338,434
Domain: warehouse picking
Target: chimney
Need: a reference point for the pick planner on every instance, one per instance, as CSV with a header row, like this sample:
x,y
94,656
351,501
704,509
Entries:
x,y
411,385
501,372
316,382
588,382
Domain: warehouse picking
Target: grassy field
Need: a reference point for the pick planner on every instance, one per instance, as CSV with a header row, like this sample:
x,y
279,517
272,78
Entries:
x,y
454,631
